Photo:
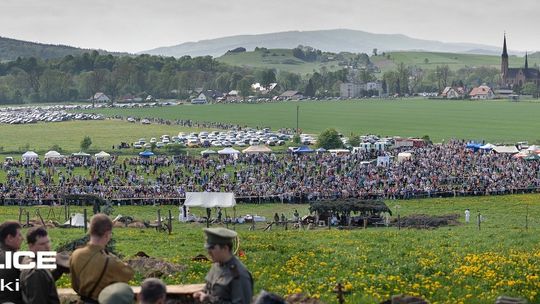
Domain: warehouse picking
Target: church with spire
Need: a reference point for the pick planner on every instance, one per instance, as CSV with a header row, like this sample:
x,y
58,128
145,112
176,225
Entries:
x,y
517,77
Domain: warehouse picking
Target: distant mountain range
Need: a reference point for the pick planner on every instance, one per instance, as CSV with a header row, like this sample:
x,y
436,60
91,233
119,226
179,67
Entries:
x,y
339,40
10,49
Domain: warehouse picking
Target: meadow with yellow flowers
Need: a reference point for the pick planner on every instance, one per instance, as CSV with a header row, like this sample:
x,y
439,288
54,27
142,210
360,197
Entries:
x,y
454,264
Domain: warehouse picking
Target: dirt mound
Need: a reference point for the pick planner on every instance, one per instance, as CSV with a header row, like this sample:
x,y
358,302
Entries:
x,y
155,268
424,221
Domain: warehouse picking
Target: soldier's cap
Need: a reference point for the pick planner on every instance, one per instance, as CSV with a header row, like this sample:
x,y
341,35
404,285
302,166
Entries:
x,y
219,236
116,293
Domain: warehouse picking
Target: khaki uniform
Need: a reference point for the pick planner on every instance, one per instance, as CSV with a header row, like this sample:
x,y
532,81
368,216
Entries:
x,y
9,275
38,285
229,282
87,265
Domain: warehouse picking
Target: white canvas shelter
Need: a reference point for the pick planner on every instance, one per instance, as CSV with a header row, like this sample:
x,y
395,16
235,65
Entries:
x,y
77,220
403,156
487,146
228,151
53,154
533,148
29,156
210,199
209,151
102,154
339,151
80,154
506,149
257,149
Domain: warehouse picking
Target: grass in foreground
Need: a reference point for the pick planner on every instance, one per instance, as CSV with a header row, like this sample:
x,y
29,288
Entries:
x,y
459,264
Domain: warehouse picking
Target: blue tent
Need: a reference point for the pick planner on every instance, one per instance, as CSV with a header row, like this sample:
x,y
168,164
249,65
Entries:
x,y
474,146
303,149
146,153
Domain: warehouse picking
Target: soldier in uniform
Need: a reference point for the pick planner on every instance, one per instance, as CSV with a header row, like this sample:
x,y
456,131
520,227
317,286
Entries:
x,y
10,240
92,267
228,281
38,285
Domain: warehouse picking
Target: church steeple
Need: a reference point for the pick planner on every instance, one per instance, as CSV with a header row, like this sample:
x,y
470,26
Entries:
x,y
526,61
504,64
505,53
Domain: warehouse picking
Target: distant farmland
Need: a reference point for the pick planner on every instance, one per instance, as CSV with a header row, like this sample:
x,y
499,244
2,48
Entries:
x,y
495,121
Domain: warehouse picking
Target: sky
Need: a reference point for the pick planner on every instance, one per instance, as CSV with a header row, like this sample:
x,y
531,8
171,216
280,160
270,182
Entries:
x,y
138,25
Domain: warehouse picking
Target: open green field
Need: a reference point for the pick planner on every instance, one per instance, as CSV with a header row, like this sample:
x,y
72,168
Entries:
x,y
68,135
453,60
494,121
283,60
457,264
277,59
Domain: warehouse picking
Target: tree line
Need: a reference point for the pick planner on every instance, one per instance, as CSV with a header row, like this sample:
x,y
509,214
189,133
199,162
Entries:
x,y
79,77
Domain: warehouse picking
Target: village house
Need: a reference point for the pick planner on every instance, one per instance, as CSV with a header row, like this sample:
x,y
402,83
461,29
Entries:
x,y
482,92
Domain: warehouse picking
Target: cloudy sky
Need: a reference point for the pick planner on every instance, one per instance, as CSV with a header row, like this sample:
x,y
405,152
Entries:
x,y
136,25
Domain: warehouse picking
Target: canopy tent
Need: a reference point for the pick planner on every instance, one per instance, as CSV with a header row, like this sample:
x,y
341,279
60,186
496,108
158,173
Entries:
x,y
208,152
338,151
53,154
474,146
146,153
532,156
77,220
228,151
320,150
487,146
80,154
303,149
403,156
534,148
210,199
257,149
102,154
29,155
506,149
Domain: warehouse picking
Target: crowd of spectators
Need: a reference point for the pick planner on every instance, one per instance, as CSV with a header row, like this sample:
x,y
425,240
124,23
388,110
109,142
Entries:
x,y
449,169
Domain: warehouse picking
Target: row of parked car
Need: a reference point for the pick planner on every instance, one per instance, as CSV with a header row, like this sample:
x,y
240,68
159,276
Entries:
x,y
248,137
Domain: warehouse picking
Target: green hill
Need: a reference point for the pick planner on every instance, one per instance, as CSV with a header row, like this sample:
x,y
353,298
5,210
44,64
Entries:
x,y
10,49
283,60
430,60
280,60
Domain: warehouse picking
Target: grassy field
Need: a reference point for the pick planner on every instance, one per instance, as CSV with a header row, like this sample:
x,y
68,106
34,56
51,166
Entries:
x,y
494,121
458,264
283,60
68,135
453,60
277,59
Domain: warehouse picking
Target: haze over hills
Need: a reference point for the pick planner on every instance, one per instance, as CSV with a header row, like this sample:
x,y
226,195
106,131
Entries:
x,y
10,49
338,40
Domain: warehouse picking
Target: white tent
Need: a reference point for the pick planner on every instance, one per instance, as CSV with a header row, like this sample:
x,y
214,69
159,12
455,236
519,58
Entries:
x,y
506,149
77,220
53,154
533,148
339,151
228,151
209,151
403,156
102,154
487,146
29,156
257,149
210,199
80,154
